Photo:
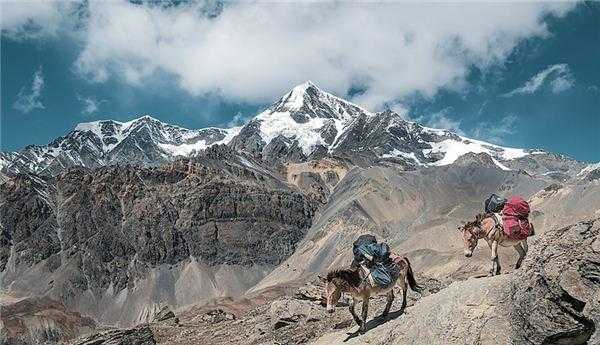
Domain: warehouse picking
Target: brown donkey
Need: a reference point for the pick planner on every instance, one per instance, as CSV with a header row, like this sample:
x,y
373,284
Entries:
x,y
355,281
489,228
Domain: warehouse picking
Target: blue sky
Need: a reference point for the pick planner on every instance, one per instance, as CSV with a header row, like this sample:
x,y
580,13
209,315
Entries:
x,y
523,75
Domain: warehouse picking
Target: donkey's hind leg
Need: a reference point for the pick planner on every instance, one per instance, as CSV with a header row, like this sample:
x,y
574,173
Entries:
x,y
353,311
404,290
495,261
521,248
365,314
388,305
403,285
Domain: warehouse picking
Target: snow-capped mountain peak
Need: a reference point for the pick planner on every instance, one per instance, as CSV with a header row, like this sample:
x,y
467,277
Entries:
x,y
308,100
308,116
294,100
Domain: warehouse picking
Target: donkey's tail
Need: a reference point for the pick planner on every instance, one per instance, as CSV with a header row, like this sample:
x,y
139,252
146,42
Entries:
x,y
410,278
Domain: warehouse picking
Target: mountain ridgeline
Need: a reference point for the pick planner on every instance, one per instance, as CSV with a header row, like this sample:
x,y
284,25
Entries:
x,y
305,124
116,220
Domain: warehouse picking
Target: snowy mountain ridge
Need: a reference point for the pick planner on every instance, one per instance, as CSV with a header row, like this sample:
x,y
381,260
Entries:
x,y
306,123
144,140
173,139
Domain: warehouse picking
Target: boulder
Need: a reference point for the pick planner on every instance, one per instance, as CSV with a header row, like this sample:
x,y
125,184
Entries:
x,y
165,314
216,316
286,311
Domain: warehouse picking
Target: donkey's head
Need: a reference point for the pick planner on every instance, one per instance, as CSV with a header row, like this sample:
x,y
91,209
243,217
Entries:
x,y
469,233
336,282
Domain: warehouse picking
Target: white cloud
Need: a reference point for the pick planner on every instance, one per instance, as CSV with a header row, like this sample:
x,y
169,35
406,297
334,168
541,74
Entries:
x,y
496,132
443,121
562,83
560,77
90,104
238,120
400,109
36,19
28,98
256,51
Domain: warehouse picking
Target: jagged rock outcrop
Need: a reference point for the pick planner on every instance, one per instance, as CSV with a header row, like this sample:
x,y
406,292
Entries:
x,y
141,335
552,299
165,314
116,241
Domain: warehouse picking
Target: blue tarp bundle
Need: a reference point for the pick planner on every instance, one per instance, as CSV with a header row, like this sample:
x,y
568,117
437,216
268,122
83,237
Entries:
x,y
377,257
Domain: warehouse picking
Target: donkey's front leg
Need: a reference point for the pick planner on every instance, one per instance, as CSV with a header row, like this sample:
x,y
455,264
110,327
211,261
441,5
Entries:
x,y
388,305
519,248
365,313
353,312
495,261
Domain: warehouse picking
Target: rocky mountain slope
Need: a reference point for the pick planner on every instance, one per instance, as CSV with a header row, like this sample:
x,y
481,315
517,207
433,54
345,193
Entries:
x,y
117,242
417,213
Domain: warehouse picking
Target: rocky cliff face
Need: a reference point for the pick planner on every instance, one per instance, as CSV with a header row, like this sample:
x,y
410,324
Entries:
x,y
116,241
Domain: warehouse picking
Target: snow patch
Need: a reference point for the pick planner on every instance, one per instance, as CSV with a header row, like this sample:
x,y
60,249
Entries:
x,y
453,149
183,149
273,124
397,153
500,165
188,149
308,134
589,168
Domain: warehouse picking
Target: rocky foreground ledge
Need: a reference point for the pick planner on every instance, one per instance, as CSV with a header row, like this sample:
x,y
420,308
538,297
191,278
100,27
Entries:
x,y
553,299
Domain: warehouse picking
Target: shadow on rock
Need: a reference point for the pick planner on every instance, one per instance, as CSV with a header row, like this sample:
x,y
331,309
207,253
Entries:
x,y
374,323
